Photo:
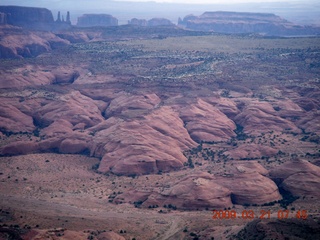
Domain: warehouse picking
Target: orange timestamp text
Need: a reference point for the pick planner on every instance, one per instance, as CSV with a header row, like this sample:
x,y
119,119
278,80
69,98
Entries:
x,y
250,214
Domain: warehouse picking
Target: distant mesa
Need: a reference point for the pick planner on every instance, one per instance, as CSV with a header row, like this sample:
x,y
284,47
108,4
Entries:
x,y
151,23
95,20
242,22
31,18
138,22
159,22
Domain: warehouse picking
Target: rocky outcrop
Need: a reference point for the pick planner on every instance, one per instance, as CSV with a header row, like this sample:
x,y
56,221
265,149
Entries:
x,y
192,193
92,20
148,145
34,76
299,177
159,22
73,107
252,186
242,22
13,120
257,117
204,122
202,190
18,43
127,105
310,122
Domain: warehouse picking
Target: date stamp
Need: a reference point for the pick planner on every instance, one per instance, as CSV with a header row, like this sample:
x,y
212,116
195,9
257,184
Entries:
x,y
263,214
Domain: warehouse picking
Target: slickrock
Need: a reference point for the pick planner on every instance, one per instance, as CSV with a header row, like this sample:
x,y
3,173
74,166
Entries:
x,y
202,190
18,43
204,122
252,186
23,77
251,151
192,193
13,120
310,122
299,177
149,145
287,108
19,148
258,117
128,105
73,107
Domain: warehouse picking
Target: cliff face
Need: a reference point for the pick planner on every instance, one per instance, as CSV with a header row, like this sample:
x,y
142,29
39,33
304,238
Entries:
x,y
91,20
237,22
29,17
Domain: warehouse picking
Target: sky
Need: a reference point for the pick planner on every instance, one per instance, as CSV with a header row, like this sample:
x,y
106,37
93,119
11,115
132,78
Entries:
x,y
209,1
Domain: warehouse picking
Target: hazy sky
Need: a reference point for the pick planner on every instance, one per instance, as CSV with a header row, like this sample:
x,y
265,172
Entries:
x,y
207,1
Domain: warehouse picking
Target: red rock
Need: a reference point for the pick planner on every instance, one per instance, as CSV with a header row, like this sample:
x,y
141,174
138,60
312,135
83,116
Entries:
x,y
128,105
19,148
73,107
192,193
73,145
143,146
59,128
310,122
287,108
19,43
299,177
65,75
26,76
259,117
13,120
228,107
202,190
251,186
204,122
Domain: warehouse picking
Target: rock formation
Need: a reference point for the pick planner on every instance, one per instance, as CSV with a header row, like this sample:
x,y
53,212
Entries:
x,y
295,175
159,22
148,145
28,17
204,122
92,20
257,117
241,22
192,193
32,18
139,22
202,190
